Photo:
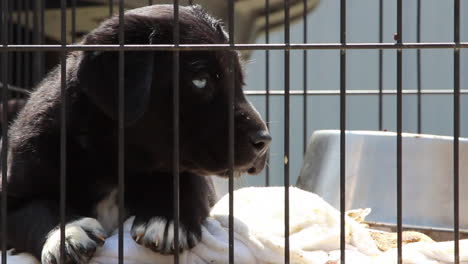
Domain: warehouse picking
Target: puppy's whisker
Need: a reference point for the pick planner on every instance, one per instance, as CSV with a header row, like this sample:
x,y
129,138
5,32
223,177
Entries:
x,y
242,181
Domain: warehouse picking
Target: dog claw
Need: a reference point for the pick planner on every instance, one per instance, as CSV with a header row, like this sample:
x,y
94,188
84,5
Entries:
x,y
83,237
103,239
137,239
158,236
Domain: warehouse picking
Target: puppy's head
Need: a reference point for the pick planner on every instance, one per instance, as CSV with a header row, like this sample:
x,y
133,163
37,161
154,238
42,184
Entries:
x,y
206,79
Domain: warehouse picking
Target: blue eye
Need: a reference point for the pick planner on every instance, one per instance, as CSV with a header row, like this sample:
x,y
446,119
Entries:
x,y
199,83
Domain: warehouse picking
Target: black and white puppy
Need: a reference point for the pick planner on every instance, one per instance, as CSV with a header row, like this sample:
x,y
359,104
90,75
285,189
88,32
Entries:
x,y
92,139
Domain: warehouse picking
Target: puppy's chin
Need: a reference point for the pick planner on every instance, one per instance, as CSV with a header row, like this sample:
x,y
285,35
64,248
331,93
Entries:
x,y
258,165
251,168
219,173
225,175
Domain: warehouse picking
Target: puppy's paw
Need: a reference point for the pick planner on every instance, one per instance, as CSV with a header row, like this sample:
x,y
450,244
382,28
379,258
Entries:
x,y
157,234
82,237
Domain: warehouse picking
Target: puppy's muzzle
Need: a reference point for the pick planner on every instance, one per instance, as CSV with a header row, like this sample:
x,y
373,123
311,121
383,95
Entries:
x,y
260,142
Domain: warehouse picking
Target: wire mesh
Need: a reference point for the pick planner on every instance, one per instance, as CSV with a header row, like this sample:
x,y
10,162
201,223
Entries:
x,y
418,65
304,74
399,39
121,133
381,25
197,47
36,61
231,132
267,80
27,39
342,131
73,21
4,153
456,132
287,57
26,77
63,129
19,55
176,169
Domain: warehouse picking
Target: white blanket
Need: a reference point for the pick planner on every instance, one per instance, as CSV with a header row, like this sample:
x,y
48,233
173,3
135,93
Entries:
x,y
259,236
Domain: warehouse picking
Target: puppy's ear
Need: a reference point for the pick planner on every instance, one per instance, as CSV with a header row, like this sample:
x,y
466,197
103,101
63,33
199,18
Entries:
x,y
98,76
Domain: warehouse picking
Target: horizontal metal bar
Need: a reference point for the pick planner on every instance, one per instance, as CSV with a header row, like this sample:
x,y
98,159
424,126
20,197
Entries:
x,y
292,46
15,89
311,92
353,92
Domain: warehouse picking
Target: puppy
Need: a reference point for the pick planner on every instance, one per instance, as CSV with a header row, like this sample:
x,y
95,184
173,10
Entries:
x,y
92,139
14,105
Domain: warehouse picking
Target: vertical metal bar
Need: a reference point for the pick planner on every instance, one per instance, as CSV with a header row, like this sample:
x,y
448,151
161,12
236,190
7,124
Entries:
x,y
10,38
304,102
399,39
175,105
27,55
4,80
121,132
456,132
10,21
286,130
231,134
63,130
342,131
36,40
19,40
42,57
418,64
267,80
381,14
111,8
73,21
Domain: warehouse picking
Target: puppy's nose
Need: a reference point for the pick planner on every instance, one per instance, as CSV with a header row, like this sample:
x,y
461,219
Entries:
x,y
260,140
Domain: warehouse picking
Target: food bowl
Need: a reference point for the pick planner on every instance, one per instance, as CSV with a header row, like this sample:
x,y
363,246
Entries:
x,y
371,177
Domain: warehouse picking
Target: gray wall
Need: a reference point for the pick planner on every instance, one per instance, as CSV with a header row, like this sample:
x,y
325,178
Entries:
x,y
362,74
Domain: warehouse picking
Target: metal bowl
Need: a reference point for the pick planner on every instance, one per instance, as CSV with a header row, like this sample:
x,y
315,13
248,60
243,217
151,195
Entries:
x,y
427,165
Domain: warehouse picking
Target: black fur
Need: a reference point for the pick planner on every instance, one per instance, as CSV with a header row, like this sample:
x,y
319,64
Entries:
x,y
14,105
92,134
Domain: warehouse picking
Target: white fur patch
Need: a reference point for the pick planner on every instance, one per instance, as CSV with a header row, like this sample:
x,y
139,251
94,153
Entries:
x,y
107,212
76,238
153,233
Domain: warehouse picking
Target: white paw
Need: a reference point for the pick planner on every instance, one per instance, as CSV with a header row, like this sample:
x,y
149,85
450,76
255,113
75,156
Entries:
x,y
158,235
82,237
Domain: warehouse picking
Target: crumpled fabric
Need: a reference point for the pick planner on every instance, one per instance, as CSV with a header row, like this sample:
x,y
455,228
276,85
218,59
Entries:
x,y
314,235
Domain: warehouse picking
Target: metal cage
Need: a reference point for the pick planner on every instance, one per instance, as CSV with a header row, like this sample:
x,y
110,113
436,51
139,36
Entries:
x,y
25,48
